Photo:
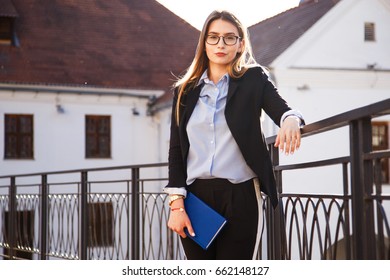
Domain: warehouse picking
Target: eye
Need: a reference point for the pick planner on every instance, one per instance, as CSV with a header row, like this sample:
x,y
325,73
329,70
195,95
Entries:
x,y
230,38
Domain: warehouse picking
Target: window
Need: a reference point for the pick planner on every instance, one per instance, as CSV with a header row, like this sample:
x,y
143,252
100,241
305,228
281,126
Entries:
x,y
18,142
98,136
369,32
380,141
101,224
8,16
5,30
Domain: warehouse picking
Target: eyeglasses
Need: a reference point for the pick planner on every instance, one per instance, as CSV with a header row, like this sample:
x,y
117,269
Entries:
x,y
229,40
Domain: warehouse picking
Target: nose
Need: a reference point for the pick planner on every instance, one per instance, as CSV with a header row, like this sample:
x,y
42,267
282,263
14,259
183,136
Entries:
x,y
221,42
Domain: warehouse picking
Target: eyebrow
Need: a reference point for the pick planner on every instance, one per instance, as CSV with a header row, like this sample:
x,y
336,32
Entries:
x,y
216,33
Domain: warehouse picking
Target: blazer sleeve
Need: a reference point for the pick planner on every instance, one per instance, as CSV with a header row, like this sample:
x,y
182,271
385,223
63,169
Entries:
x,y
176,168
272,103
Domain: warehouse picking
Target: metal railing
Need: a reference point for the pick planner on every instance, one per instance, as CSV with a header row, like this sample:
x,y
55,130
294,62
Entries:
x,y
121,213
101,213
352,225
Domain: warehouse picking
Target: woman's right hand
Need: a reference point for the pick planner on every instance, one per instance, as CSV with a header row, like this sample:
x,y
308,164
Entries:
x,y
178,220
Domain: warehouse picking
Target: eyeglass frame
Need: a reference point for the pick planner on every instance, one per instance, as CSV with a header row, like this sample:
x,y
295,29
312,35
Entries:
x,y
223,39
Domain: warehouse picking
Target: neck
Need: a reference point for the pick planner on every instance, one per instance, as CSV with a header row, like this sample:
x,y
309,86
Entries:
x,y
216,73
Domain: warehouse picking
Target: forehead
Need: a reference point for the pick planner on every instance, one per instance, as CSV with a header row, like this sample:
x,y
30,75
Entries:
x,y
220,26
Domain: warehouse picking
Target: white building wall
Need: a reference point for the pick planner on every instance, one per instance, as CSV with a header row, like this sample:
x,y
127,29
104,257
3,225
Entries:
x,y
337,39
325,73
59,138
165,126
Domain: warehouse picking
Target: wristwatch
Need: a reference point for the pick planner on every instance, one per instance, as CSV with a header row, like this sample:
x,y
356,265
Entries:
x,y
174,197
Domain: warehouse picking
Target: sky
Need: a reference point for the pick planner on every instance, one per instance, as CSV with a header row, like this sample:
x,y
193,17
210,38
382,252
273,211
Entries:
x,y
248,12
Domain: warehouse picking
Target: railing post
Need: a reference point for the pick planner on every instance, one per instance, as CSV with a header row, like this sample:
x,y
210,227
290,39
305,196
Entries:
x,y
275,227
170,246
12,218
83,220
135,209
170,238
361,189
378,192
43,216
129,219
347,231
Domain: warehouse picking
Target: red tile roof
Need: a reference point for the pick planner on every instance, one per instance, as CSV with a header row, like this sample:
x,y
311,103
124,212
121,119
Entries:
x,y
7,9
273,36
118,43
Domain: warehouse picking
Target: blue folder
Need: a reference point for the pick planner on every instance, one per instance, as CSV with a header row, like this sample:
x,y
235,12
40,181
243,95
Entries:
x,y
206,222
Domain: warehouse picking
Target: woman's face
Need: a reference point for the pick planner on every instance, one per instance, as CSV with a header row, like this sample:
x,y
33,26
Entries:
x,y
222,53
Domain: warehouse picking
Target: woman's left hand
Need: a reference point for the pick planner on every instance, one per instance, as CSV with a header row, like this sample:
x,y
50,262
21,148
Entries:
x,y
289,137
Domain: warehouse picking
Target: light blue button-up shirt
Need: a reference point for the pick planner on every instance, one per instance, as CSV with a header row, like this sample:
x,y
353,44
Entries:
x,y
213,152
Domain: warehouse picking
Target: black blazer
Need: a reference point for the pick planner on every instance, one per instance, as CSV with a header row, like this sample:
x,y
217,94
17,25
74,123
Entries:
x,y
246,98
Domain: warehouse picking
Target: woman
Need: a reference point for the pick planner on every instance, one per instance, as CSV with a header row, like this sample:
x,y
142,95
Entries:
x,y
217,149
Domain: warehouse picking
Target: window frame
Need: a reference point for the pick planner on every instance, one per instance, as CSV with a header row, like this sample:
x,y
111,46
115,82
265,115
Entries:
x,y
19,152
369,32
97,142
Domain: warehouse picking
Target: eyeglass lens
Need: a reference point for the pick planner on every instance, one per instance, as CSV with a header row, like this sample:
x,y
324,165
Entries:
x,y
228,40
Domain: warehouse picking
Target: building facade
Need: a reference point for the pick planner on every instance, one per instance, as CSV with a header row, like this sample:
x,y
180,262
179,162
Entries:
x,y
78,81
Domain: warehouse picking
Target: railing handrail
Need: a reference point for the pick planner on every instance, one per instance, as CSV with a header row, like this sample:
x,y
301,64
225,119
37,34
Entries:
x,y
373,110
94,169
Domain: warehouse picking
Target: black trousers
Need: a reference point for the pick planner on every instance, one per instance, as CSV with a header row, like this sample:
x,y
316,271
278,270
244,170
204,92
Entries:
x,y
241,205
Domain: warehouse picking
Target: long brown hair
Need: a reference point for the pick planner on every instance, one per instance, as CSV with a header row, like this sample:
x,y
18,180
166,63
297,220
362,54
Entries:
x,y
199,64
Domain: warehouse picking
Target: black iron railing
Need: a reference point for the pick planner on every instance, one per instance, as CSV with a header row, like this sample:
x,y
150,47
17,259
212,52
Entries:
x,y
101,213
121,213
352,225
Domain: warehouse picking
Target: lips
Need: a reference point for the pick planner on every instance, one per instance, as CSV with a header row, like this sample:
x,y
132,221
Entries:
x,y
220,54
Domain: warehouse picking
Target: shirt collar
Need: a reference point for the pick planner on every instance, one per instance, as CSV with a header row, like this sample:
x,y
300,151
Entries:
x,y
205,78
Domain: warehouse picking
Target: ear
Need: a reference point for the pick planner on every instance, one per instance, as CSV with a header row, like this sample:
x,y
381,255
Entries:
x,y
242,46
